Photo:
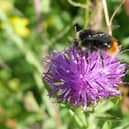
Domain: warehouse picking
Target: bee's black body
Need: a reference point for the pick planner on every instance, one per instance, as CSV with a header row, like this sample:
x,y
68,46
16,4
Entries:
x,y
93,40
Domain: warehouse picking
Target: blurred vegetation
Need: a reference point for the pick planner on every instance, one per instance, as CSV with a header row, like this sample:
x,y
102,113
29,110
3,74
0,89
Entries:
x,y
30,30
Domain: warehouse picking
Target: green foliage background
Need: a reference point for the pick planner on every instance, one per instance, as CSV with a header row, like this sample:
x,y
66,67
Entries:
x,y
24,41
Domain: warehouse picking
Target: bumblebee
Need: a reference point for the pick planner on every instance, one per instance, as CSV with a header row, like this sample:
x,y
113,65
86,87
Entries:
x,y
96,41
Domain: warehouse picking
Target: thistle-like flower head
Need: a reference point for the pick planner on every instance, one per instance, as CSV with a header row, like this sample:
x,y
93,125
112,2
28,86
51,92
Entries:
x,y
78,79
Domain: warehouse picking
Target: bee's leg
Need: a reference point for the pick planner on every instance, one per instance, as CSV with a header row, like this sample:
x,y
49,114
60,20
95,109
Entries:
x,y
101,56
75,43
88,52
86,56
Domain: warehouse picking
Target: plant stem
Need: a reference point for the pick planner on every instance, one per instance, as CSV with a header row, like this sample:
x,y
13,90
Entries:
x,y
86,14
116,11
109,25
77,4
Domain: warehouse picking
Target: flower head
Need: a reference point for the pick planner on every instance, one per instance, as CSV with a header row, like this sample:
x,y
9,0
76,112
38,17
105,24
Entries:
x,y
80,80
20,26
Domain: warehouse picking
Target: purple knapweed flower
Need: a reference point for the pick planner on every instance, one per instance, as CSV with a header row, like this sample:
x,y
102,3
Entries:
x,y
77,79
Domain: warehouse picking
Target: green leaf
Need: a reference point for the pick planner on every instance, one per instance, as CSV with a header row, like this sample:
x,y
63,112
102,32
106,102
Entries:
x,y
107,125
